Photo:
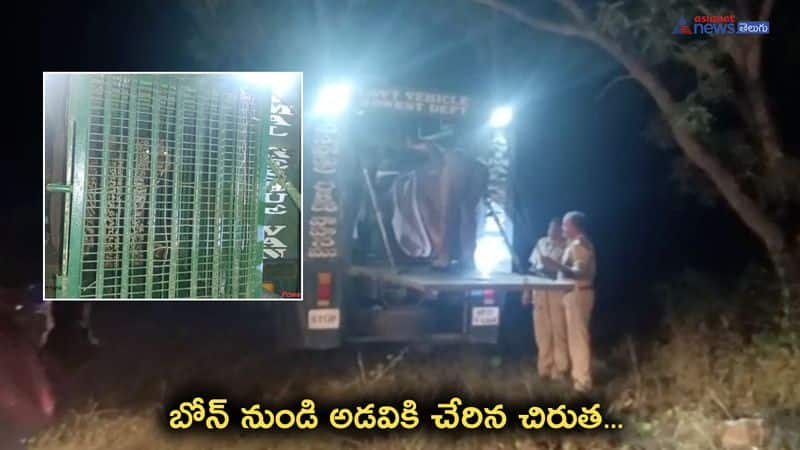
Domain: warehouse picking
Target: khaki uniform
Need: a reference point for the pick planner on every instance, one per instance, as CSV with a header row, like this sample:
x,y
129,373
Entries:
x,y
549,320
579,256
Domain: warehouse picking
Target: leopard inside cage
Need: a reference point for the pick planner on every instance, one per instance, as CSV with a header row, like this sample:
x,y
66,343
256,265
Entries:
x,y
114,193
149,223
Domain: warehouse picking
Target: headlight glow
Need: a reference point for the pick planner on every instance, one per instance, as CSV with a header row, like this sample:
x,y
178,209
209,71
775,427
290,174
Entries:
x,y
279,82
333,99
491,253
501,117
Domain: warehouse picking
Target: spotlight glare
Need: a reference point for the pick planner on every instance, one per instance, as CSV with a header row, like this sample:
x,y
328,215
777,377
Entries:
x,y
491,253
279,82
501,117
333,99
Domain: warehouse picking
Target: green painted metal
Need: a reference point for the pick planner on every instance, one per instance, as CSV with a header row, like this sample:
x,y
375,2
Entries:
x,y
262,158
281,253
216,267
61,278
104,189
237,200
60,188
200,118
164,189
176,194
155,150
129,186
78,143
256,139
282,180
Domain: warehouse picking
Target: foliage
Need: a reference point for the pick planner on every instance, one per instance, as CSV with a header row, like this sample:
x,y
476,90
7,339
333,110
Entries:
x,y
722,355
704,77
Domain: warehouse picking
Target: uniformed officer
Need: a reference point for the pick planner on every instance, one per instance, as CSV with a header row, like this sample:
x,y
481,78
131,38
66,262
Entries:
x,y
577,265
549,322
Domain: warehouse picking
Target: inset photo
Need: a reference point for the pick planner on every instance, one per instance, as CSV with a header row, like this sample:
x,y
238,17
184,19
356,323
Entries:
x,y
165,186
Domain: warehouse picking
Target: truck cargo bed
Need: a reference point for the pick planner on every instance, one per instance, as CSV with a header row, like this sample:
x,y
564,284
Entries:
x,y
424,279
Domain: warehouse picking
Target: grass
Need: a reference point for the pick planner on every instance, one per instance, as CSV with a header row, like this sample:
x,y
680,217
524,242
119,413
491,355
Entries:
x,y
715,359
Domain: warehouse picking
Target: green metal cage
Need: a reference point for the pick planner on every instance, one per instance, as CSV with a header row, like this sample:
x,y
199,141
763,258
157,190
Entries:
x,y
166,188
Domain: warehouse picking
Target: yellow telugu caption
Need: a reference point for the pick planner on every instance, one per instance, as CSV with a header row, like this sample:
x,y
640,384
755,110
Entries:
x,y
211,415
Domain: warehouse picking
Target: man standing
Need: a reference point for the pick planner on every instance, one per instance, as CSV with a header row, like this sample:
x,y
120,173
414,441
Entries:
x,y
549,323
577,265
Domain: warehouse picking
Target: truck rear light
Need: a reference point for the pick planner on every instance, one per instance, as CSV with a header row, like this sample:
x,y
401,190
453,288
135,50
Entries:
x,y
323,294
324,288
488,297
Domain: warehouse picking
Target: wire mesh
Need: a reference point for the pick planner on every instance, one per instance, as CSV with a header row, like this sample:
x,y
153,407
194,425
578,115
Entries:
x,y
171,187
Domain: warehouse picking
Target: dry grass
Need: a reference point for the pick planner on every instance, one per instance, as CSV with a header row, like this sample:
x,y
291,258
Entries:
x,y
672,393
394,377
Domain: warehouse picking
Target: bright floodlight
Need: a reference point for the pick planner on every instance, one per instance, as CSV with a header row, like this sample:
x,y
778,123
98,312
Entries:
x,y
490,254
500,117
333,99
279,82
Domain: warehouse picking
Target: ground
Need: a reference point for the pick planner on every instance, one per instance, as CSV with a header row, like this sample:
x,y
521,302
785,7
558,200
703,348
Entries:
x,y
669,394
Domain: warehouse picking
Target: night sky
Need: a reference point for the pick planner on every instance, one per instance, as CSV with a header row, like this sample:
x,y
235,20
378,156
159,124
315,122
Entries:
x,y
576,151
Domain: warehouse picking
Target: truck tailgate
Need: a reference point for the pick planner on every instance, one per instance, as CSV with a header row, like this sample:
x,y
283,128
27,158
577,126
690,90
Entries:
x,y
423,279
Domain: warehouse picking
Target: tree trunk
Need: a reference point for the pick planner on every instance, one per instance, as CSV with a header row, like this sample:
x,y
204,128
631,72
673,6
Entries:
x,y
696,151
787,268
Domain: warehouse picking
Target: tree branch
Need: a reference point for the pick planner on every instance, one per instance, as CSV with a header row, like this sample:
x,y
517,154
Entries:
x,y
564,29
751,60
752,57
611,84
698,62
742,8
746,53
766,10
697,152
574,10
764,123
704,66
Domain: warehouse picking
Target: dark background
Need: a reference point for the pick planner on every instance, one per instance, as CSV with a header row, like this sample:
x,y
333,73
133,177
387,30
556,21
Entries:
x,y
575,151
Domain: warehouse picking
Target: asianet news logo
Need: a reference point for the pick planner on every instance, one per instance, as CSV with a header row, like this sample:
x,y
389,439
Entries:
x,y
711,25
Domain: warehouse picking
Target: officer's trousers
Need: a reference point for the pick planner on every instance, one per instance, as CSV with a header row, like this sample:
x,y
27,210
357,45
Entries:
x,y
550,330
578,305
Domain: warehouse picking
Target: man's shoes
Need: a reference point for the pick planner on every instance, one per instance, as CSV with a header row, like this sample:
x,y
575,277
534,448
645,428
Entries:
x,y
558,377
582,388
544,377
445,267
439,265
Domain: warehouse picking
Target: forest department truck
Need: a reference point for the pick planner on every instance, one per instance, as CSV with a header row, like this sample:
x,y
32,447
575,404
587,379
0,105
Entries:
x,y
370,201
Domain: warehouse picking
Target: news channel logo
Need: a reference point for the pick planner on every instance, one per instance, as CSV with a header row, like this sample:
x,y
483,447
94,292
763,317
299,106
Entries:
x,y
713,25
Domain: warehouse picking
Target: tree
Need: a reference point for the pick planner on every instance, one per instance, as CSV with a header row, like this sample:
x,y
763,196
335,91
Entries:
x,y
721,120
710,92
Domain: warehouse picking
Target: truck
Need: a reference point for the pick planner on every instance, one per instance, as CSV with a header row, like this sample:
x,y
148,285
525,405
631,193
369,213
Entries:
x,y
367,248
